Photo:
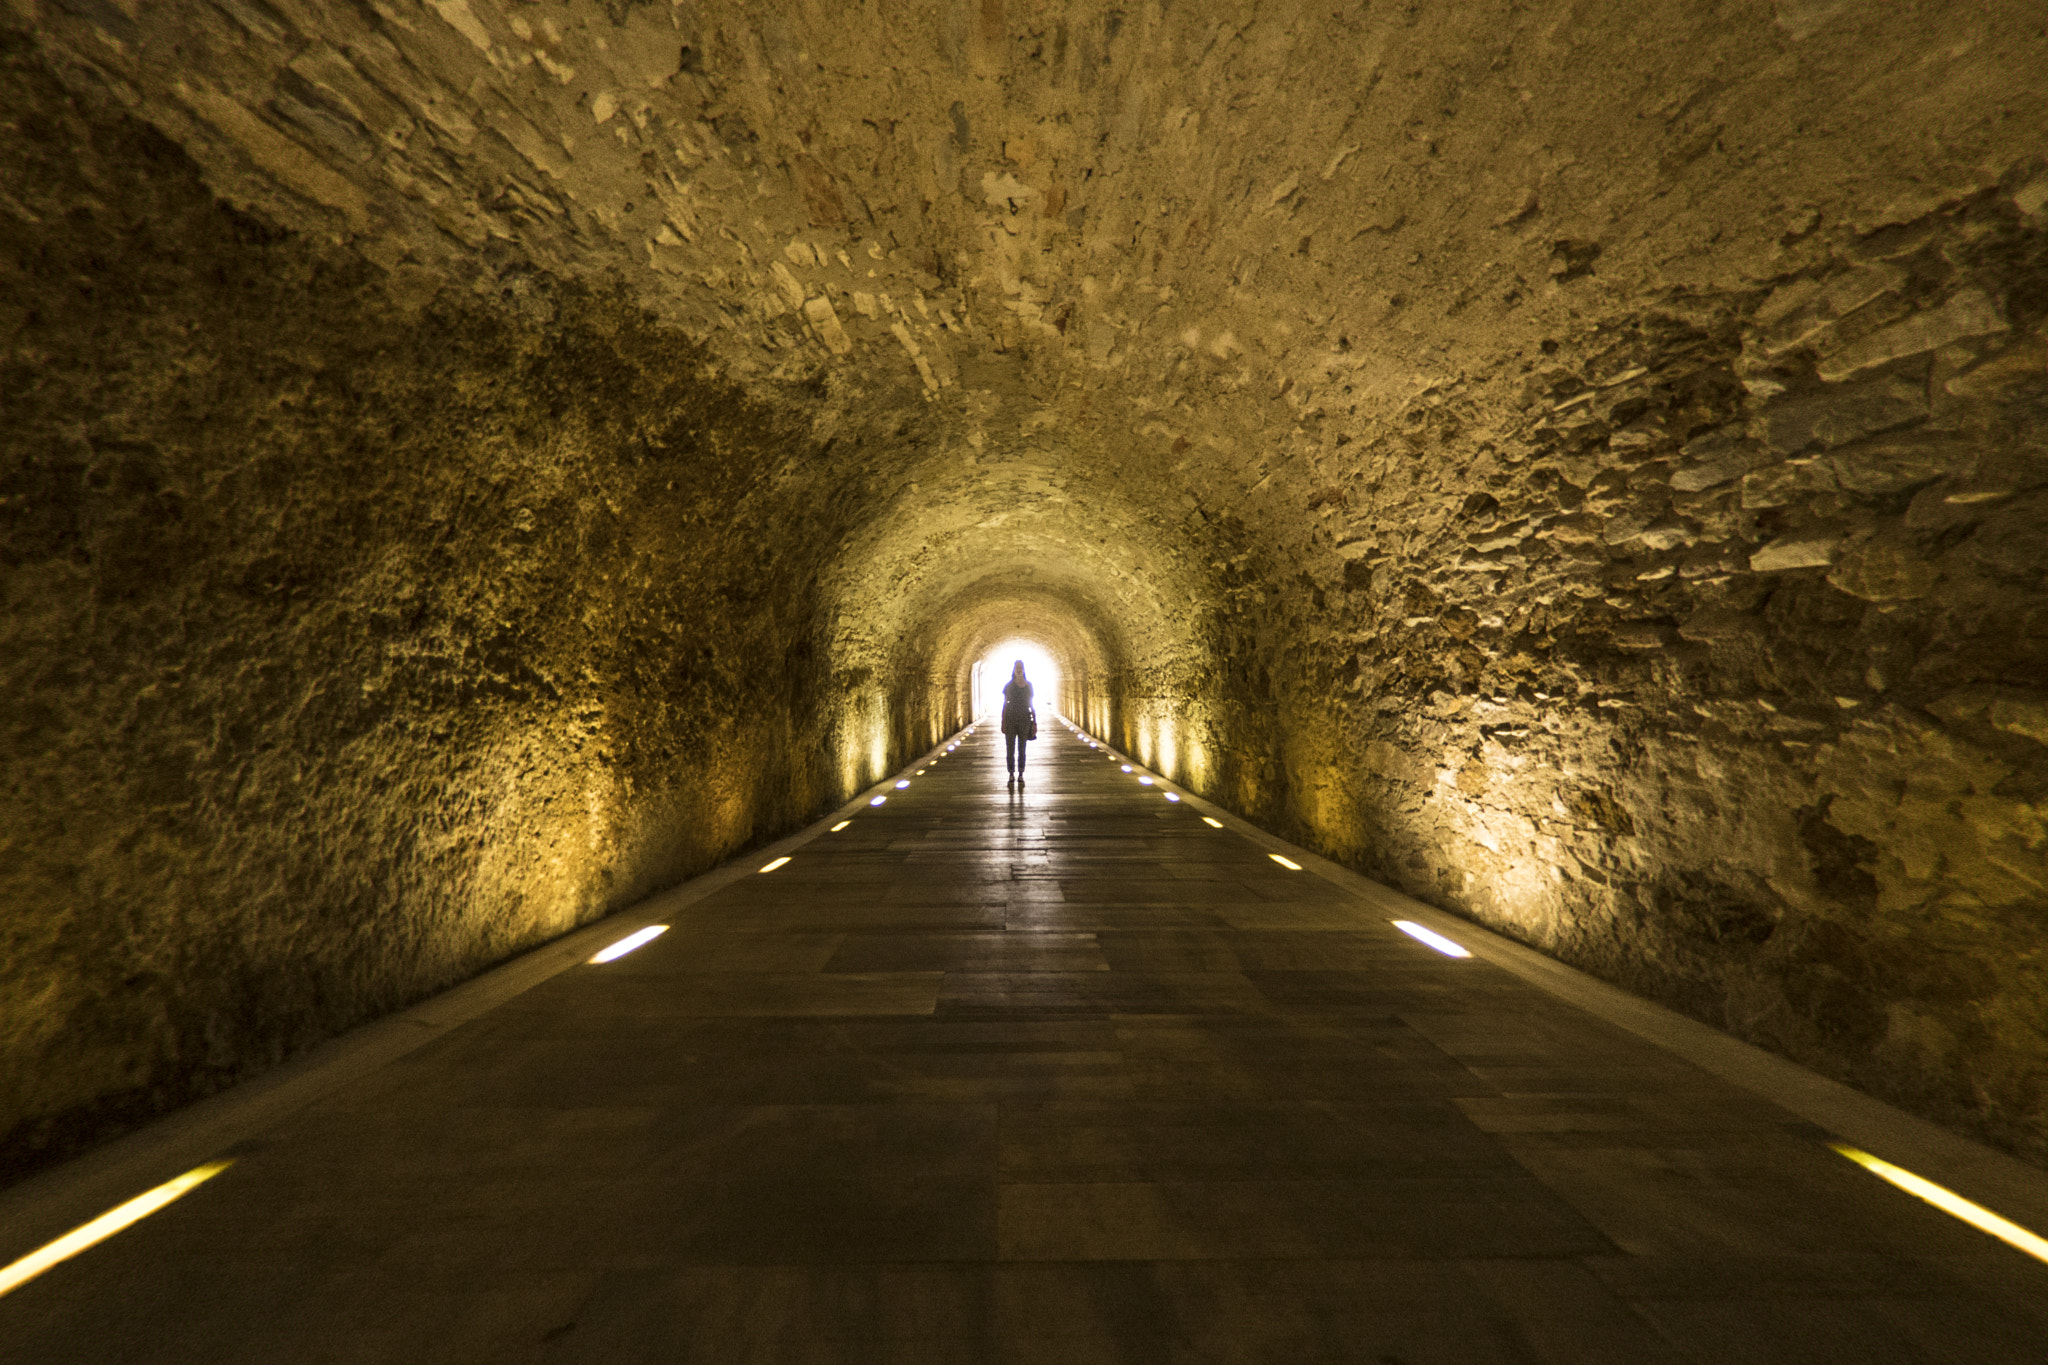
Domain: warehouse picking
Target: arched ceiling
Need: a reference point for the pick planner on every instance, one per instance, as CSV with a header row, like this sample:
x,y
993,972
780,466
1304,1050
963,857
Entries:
x,y
974,551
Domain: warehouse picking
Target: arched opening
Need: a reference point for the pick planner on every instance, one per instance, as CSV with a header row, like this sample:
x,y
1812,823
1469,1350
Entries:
x,y
993,671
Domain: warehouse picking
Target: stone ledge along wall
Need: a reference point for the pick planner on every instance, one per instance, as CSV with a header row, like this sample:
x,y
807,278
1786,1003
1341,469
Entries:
x,y
1581,462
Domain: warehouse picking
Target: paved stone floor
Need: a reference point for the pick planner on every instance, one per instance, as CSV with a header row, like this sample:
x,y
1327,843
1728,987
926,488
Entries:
x,y
1062,1074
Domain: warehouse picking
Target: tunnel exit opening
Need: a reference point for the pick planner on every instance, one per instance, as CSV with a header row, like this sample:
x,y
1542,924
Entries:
x,y
992,670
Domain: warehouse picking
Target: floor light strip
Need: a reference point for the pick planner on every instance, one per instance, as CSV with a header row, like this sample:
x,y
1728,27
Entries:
x,y
841,825
1212,822
878,801
779,862
1948,1201
630,942
1288,863
1432,938
106,1225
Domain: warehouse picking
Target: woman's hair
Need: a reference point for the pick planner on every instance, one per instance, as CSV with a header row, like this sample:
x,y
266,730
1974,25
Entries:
x,y
1018,671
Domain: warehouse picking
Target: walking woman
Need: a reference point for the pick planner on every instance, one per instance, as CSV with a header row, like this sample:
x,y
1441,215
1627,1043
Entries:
x,y
1020,722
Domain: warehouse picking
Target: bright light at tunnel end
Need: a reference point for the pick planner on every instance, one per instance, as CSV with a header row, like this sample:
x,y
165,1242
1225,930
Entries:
x,y
631,941
1431,937
994,671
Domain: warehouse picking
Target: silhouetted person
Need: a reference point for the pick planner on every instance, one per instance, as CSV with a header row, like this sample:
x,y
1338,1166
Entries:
x,y
1020,723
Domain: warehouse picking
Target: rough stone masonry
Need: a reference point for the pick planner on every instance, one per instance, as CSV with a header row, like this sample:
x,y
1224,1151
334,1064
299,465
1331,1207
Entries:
x,y
466,464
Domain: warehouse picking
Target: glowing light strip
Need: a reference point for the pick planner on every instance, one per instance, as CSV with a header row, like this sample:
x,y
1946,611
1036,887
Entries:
x,y
1212,822
878,801
1288,863
631,941
904,783
1432,938
1144,781
777,863
1949,1202
1172,797
841,825
106,1225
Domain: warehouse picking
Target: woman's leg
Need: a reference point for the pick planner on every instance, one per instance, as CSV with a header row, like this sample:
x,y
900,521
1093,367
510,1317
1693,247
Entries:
x,y
1011,744
1021,742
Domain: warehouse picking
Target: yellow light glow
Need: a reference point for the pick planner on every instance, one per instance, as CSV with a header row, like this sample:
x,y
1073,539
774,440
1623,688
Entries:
x,y
630,942
1171,797
1212,821
918,773
1144,781
841,825
106,1225
878,801
1288,863
904,783
1948,1201
1432,938
777,863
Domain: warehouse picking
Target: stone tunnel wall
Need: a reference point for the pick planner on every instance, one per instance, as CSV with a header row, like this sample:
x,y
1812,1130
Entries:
x,y
355,639
1707,652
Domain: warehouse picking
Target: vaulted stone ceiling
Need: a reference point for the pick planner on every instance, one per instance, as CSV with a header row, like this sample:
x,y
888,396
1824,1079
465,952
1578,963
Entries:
x,y
469,464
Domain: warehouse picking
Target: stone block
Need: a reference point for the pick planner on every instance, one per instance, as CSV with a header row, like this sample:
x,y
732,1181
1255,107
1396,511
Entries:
x,y
1641,635
1970,313
1795,552
2014,710
825,321
1837,416
2023,367
1895,463
1710,472
1884,570
1802,311
1781,484
1720,623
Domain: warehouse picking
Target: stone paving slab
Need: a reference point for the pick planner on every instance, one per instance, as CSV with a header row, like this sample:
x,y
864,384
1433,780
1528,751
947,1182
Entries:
x,y
1052,1074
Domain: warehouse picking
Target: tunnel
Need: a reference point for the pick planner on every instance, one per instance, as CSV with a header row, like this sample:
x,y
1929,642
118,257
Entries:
x,y
471,466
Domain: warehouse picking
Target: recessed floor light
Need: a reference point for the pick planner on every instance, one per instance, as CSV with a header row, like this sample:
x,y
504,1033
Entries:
x,y
777,863
1171,797
1947,1200
1126,767
841,825
631,941
1212,821
904,783
14,1276
878,801
1430,936
1144,781
1288,863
